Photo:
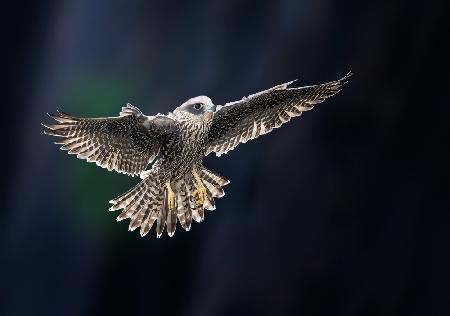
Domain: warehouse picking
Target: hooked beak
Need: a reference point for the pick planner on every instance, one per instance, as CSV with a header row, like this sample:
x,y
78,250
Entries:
x,y
209,111
210,108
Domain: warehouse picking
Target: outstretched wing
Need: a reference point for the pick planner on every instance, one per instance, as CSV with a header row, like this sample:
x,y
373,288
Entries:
x,y
126,144
240,121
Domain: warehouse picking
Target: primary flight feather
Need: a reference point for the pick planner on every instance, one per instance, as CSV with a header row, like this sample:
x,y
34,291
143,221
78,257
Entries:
x,y
178,187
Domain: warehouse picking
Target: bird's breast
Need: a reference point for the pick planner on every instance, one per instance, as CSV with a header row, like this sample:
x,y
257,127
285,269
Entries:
x,y
188,151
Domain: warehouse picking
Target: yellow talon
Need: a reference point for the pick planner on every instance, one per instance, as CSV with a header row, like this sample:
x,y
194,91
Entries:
x,y
200,193
171,197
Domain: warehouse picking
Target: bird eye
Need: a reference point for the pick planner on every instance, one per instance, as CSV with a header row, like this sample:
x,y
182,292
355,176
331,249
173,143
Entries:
x,y
198,106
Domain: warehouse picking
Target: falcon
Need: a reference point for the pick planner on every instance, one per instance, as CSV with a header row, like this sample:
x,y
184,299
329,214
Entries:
x,y
166,151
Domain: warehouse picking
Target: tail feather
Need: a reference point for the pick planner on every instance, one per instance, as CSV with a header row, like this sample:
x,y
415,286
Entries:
x,y
161,219
197,214
171,219
182,198
128,201
136,220
210,205
140,210
184,209
141,204
124,199
171,222
185,220
221,180
201,214
215,188
134,209
146,204
149,220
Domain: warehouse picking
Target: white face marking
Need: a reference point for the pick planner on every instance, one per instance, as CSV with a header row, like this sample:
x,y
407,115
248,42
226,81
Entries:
x,y
200,99
187,106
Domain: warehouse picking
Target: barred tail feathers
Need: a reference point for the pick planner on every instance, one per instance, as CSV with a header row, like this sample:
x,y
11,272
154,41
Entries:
x,y
147,203
143,205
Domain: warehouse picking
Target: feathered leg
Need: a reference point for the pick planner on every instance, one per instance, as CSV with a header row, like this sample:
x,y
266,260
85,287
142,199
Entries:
x,y
200,193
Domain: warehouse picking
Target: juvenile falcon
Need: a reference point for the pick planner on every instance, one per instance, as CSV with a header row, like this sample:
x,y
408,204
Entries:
x,y
177,186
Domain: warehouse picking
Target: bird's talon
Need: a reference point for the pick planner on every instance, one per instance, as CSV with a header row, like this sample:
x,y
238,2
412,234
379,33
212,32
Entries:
x,y
199,195
172,201
171,198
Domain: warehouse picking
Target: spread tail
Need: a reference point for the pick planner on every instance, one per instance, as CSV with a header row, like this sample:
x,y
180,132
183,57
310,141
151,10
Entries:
x,y
153,201
143,205
194,197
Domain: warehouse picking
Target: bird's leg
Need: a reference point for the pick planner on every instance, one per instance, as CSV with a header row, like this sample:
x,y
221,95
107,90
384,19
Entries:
x,y
171,197
200,192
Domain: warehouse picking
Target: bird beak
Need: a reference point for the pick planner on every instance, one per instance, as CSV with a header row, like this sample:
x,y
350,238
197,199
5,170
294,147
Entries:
x,y
209,111
210,107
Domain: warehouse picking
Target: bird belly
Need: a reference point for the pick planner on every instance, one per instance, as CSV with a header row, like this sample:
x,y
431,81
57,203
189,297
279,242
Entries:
x,y
186,161
177,160
185,153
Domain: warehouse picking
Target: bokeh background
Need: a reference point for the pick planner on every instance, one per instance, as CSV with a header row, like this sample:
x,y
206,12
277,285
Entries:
x,y
344,211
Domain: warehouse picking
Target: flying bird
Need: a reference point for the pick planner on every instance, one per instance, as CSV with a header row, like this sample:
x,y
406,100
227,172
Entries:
x,y
177,186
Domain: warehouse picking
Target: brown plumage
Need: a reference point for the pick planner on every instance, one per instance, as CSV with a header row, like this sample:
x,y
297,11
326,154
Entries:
x,y
177,187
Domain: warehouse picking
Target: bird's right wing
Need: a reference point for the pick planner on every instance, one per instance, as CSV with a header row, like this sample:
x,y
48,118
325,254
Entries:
x,y
126,144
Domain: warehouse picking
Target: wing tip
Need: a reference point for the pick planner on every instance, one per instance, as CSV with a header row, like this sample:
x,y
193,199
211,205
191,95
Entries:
x,y
51,130
289,82
344,80
46,126
336,85
62,117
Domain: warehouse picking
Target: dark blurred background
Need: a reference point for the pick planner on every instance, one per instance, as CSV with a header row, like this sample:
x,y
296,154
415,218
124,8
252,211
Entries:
x,y
344,211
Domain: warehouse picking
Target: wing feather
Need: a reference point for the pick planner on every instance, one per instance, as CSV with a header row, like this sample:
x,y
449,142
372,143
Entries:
x,y
126,144
258,114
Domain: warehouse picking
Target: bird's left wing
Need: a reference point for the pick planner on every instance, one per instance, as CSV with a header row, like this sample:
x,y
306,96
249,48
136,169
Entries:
x,y
240,121
126,144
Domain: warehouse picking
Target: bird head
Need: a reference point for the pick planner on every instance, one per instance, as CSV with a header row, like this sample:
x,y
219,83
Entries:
x,y
200,107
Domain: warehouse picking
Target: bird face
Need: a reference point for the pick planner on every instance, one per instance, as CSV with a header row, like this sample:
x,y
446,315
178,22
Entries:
x,y
200,107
